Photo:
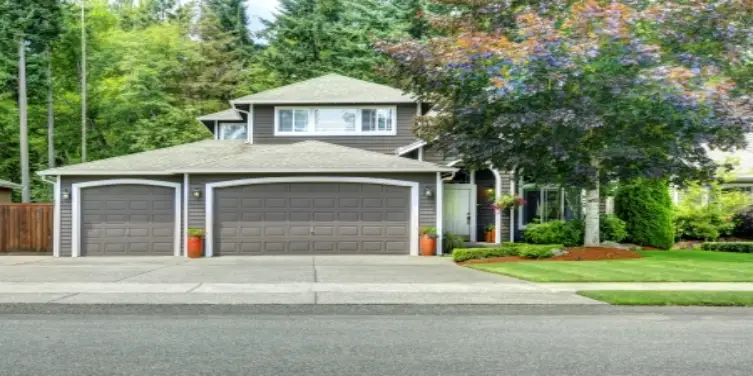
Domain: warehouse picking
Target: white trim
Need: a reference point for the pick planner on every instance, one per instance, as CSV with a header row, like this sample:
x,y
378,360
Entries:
x,y
512,210
421,153
216,130
409,148
245,171
250,124
311,125
455,162
209,199
474,208
186,195
76,208
56,220
497,213
439,196
223,123
315,102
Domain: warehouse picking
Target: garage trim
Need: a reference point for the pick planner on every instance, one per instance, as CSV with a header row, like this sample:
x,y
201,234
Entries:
x,y
76,208
209,199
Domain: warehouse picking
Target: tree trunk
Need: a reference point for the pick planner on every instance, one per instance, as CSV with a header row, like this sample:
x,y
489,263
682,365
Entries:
x,y
23,122
591,238
83,84
50,115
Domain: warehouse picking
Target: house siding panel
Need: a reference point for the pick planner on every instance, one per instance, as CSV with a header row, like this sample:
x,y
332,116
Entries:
x,y
66,209
427,206
264,120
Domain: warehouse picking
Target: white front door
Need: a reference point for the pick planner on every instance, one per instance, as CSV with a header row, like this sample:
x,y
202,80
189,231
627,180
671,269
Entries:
x,y
457,208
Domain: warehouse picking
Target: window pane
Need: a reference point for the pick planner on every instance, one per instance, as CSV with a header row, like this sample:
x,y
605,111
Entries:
x,y
335,120
286,120
233,131
293,120
532,209
552,205
301,120
573,208
376,120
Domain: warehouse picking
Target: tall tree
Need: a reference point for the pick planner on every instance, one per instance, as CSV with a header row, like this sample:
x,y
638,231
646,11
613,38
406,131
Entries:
x,y
579,97
234,20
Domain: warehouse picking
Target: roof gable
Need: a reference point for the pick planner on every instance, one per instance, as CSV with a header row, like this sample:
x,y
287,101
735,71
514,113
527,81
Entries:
x,y
330,88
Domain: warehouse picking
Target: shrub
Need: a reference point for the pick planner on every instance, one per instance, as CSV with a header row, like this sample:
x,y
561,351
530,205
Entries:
x,y
743,222
429,231
646,208
704,225
452,241
708,212
569,233
740,247
537,251
612,228
465,254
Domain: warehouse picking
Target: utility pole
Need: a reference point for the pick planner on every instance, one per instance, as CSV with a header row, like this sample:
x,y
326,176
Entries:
x,y
83,83
50,114
23,121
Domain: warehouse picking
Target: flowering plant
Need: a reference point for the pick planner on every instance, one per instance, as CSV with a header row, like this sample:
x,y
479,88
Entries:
x,y
508,201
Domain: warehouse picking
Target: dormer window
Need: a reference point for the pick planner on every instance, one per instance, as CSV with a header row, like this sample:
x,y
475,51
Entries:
x,y
233,131
335,121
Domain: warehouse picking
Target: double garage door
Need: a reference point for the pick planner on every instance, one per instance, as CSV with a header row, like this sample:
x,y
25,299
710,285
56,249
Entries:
x,y
312,218
291,218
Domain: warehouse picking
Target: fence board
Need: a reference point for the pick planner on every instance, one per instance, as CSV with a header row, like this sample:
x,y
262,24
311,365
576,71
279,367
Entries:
x,y
26,227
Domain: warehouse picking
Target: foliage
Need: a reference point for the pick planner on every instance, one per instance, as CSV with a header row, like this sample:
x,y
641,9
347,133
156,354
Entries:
x,y
739,247
569,233
490,227
509,201
196,232
743,221
707,212
452,241
535,251
646,208
672,298
612,228
429,231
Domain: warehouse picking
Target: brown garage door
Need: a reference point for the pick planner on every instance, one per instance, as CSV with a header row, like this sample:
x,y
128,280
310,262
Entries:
x,y
312,218
127,220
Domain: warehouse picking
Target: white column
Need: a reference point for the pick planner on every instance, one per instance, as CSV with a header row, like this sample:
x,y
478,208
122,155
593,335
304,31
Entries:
x,y
474,208
512,210
186,191
56,220
439,196
497,213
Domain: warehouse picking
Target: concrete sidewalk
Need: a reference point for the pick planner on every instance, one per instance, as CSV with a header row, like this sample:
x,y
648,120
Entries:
x,y
263,280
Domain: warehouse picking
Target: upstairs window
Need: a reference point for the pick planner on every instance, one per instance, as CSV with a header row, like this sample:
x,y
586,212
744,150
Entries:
x,y
233,131
335,121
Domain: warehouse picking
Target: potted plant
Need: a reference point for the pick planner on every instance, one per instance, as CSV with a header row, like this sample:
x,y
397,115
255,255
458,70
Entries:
x,y
508,202
195,242
428,241
490,234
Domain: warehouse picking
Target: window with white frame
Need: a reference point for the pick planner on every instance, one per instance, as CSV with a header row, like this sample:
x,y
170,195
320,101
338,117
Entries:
x,y
335,121
232,131
548,203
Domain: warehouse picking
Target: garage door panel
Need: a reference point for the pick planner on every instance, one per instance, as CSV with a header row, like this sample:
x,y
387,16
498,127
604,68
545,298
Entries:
x,y
342,216
127,219
227,203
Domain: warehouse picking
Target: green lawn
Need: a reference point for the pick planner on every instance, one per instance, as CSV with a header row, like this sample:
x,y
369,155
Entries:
x,y
656,266
675,298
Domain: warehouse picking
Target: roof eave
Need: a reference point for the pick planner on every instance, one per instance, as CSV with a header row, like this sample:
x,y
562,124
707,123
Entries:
x,y
103,173
282,102
312,170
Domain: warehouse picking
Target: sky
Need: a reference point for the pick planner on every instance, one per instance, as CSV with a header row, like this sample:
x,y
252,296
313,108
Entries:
x,y
259,9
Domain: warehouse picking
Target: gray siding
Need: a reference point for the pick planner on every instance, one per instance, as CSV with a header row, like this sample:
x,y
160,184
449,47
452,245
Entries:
x,y
66,209
264,120
427,206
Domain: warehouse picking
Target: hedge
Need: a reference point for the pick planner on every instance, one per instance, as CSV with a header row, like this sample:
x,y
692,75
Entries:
x,y
740,247
646,208
536,251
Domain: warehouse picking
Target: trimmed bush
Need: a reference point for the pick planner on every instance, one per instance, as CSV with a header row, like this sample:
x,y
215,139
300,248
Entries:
x,y
612,228
569,233
452,241
535,251
739,247
744,223
702,225
646,208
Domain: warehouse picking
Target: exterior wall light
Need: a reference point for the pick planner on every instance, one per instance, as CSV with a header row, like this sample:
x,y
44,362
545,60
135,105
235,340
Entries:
x,y
428,193
66,194
196,193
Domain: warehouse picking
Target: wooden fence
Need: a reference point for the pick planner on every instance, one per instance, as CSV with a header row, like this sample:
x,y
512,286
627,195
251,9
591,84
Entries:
x,y
26,227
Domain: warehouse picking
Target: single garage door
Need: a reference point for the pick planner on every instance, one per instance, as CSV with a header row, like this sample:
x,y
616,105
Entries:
x,y
119,220
312,218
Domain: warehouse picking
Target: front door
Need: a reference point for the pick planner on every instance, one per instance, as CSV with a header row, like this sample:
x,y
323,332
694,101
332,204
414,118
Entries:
x,y
457,208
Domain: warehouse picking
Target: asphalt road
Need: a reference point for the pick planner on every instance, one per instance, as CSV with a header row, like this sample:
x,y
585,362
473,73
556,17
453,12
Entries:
x,y
185,340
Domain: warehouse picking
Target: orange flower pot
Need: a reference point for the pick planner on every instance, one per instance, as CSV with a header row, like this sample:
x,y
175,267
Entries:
x,y
195,246
428,245
488,236
492,236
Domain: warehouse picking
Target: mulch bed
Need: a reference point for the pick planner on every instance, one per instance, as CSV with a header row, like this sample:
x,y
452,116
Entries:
x,y
575,254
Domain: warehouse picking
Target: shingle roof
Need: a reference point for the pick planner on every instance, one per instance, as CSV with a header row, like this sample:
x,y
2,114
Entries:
x,y
215,156
228,115
331,88
9,184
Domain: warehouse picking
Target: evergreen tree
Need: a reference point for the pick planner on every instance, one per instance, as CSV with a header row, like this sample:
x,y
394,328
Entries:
x,y
234,20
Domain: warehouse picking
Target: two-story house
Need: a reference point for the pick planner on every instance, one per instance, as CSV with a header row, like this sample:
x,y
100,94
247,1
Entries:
x,y
324,166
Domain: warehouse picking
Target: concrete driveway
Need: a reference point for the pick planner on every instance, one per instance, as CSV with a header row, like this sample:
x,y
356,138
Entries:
x,y
265,279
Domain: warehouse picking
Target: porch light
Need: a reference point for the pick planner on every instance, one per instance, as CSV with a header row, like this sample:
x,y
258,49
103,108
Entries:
x,y
428,193
196,193
66,194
